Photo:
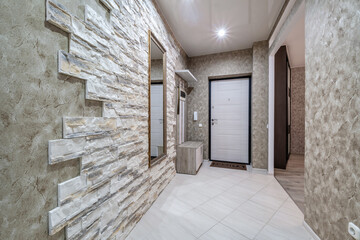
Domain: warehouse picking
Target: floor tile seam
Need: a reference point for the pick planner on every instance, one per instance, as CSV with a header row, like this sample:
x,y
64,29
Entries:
x,y
289,195
213,198
222,180
208,229
290,215
180,225
217,195
277,208
221,218
277,198
192,208
283,231
250,197
268,222
235,229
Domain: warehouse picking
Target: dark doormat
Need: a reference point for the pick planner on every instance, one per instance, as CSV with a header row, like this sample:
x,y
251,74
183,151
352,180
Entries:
x,y
238,166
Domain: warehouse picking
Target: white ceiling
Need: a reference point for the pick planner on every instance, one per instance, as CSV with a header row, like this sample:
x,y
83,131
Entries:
x,y
295,42
196,22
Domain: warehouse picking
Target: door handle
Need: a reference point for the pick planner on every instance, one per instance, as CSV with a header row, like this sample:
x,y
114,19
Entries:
x,y
213,121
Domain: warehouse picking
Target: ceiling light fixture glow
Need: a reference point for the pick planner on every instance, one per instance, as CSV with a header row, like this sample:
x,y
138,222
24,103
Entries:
x,y
221,33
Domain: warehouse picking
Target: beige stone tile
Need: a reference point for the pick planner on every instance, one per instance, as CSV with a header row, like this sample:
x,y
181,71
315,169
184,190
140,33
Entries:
x,y
256,211
196,222
267,201
242,191
244,224
271,233
231,200
193,198
290,208
173,206
259,209
211,190
215,209
158,225
253,185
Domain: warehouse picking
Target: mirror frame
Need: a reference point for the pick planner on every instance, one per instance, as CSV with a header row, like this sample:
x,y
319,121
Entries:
x,y
164,154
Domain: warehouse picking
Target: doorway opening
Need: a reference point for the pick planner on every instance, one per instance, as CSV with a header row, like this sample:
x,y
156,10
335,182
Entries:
x,y
287,109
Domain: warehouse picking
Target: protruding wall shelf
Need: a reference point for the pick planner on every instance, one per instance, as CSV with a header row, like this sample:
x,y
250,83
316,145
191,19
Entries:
x,y
189,89
187,76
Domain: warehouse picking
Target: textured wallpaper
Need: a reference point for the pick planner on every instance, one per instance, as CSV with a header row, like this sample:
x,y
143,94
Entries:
x,y
332,117
259,100
297,110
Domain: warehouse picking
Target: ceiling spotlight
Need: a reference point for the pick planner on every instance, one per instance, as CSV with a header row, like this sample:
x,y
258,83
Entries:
x,y
221,33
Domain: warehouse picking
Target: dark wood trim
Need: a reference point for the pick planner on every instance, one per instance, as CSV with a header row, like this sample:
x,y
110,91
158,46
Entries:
x,y
158,159
165,103
288,108
221,77
281,109
157,42
229,77
250,97
153,38
149,100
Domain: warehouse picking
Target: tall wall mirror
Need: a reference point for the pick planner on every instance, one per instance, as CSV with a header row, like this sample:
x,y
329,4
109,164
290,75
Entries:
x,y
157,101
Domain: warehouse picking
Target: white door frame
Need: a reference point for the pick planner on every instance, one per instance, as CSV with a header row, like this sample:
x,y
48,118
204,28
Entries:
x,y
278,41
271,114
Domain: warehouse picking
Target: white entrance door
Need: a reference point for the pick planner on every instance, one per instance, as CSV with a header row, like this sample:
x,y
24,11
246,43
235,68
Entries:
x,y
229,120
157,120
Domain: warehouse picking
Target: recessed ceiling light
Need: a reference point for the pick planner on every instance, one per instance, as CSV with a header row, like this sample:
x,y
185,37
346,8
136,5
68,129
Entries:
x,y
221,33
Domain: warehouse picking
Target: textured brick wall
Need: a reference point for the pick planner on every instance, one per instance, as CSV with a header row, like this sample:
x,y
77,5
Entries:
x,y
99,91
115,187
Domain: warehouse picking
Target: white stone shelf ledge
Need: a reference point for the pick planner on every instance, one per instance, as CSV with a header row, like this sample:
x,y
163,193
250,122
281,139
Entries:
x,y
186,75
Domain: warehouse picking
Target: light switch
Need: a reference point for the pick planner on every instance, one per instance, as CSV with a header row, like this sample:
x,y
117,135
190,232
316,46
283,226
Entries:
x,y
200,125
195,116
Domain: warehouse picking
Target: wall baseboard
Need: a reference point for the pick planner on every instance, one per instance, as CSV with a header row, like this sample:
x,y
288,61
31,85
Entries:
x,y
312,233
257,170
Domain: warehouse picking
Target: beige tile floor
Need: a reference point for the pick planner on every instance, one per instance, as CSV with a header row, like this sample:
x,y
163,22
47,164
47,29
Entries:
x,y
221,204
